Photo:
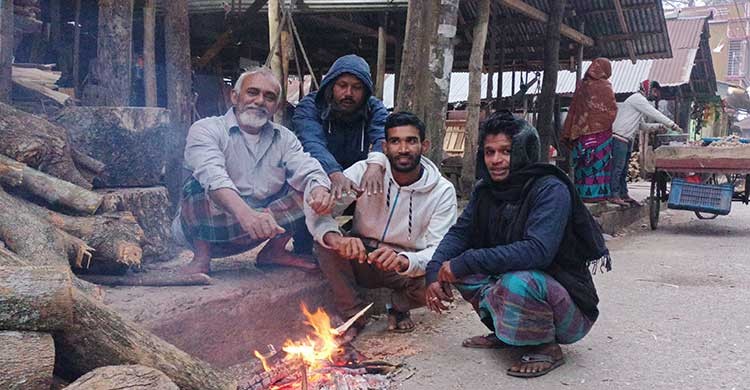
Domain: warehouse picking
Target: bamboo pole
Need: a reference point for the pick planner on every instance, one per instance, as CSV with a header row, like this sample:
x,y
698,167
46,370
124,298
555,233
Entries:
x,y
380,77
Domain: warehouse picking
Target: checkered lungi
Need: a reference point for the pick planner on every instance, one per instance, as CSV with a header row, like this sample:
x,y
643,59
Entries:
x,y
525,308
202,219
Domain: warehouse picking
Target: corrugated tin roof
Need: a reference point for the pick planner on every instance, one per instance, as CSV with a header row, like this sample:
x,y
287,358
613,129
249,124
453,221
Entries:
x,y
685,38
216,6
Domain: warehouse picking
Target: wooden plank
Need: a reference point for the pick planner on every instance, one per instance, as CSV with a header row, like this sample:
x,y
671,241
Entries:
x,y
705,165
540,16
624,27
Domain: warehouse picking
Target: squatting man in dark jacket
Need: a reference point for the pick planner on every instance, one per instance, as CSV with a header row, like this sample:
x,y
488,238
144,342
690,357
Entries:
x,y
520,252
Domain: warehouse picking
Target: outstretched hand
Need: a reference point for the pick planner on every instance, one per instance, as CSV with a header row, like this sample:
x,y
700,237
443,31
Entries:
x,y
436,294
321,200
340,185
372,180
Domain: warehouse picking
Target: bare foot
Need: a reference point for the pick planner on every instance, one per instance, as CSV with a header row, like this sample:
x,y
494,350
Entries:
x,y
400,322
538,361
201,263
274,253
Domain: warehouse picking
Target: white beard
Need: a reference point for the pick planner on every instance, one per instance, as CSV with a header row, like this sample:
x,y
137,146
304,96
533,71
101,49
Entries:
x,y
252,118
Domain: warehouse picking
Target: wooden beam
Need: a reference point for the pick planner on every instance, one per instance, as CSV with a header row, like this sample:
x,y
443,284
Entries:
x,y
624,27
380,71
349,26
226,37
540,16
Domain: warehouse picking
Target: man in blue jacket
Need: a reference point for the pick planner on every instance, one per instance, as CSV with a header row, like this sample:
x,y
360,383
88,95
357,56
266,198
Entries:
x,y
520,251
341,122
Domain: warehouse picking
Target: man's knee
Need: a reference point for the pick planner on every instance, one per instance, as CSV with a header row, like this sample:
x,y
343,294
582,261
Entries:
x,y
524,283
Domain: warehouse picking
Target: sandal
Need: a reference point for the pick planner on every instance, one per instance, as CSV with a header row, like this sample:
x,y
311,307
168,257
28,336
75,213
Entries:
x,y
536,358
399,317
489,341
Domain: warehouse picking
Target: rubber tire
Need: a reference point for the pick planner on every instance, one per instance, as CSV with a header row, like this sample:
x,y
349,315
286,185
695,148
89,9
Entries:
x,y
654,202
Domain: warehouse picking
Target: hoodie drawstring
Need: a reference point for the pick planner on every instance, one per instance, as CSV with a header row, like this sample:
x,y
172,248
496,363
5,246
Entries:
x,y
411,195
362,146
388,206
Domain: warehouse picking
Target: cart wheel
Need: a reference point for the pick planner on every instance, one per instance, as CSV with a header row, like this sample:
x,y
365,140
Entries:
x,y
654,202
705,216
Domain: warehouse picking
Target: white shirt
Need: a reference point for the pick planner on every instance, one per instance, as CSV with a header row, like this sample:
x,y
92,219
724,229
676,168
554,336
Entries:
x,y
631,114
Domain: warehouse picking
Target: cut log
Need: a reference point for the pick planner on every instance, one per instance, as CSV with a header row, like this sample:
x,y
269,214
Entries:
x,y
27,359
133,377
98,336
150,206
38,143
129,140
49,188
89,335
152,278
35,298
8,258
88,163
36,233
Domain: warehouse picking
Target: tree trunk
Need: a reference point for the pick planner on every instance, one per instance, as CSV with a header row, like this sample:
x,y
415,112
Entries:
x,y
7,44
274,38
37,143
420,26
468,169
380,71
27,359
179,93
98,336
114,51
149,53
35,298
55,191
441,66
77,48
546,103
132,377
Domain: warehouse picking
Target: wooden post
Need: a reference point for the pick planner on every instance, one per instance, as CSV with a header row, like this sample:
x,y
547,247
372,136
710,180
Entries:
x,y
113,54
579,59
274,21
382,48
468,168
179,93
54,17
441,66
491,66
398,52
149,56
285,42
77,48
6,49
500,69
549,84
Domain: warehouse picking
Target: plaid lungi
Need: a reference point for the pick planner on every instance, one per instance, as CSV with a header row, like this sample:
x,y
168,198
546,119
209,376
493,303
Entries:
x,y
202,219
525,308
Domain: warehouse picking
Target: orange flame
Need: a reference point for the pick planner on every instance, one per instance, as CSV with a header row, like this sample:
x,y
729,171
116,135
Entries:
x,y
262,361
319,348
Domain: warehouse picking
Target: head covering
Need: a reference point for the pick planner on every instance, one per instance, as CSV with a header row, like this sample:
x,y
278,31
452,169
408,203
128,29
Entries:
x,y
352,64
645,87
594,107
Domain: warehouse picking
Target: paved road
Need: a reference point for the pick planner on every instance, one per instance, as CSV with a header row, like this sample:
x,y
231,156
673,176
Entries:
x,y
675,315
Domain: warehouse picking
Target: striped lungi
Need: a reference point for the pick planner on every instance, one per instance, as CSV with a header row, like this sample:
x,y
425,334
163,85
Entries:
x,y
525,308
202,219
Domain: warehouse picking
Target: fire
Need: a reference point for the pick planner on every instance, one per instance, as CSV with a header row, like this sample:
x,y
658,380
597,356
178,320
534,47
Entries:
x,y
318,348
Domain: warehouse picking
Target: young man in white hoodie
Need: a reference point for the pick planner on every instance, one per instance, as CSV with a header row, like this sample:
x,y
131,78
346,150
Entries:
x,y
394,233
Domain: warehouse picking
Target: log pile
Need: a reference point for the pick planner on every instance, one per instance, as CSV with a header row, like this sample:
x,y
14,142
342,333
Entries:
x,y
634,167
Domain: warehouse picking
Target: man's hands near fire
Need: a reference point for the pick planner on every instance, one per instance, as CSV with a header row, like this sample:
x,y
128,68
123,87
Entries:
x,y
352,248
321,200
439,292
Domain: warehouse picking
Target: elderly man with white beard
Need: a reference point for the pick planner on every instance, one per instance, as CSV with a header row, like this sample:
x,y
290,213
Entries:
x,y
249,179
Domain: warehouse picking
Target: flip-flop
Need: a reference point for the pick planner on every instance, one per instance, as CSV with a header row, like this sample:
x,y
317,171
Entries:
x,y
400,316
536,358
490,342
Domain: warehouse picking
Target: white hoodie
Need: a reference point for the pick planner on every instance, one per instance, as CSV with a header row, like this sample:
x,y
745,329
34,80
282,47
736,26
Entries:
x,y
429,203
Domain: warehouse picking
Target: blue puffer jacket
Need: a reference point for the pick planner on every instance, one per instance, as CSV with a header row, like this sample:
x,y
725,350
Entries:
x,y
336,144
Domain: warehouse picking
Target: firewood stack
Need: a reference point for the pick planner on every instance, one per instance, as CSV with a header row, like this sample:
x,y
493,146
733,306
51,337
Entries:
x,y
51,224
634,167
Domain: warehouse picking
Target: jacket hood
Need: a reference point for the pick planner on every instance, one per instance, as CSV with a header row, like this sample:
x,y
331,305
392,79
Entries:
x,y
352,64
430,177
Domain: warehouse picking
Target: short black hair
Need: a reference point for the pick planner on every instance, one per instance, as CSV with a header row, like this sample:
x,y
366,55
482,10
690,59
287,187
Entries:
x,y
405,118
655,84
499,122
